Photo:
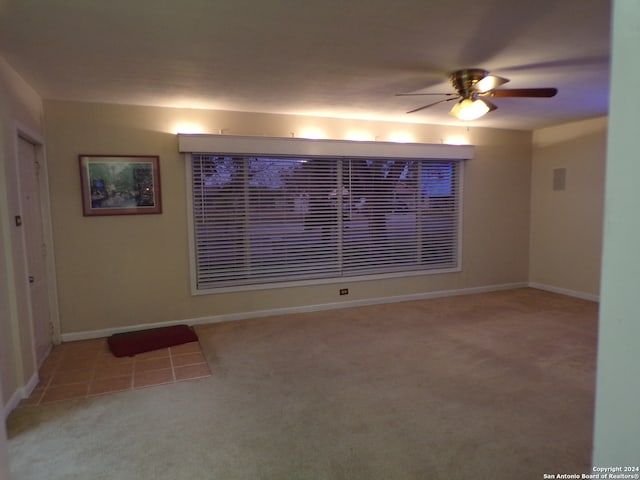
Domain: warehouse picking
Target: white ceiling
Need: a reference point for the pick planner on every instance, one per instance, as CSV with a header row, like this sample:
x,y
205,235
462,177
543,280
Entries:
x,y
332,58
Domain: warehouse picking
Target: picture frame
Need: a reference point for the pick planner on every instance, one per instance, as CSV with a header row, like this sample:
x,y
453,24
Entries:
x,y
120,184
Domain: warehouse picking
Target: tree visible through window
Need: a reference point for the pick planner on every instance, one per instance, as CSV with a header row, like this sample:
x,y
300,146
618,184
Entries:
x,y
261,220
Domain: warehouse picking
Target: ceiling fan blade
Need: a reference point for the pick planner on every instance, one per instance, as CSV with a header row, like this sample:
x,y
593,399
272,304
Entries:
x,y
489,83
418,94
522,92
432,104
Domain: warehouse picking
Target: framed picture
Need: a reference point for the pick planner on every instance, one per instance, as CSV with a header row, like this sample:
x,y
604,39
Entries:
x,y
120,184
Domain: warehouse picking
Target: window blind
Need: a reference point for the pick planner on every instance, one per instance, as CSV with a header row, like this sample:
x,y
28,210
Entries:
x,y
267,219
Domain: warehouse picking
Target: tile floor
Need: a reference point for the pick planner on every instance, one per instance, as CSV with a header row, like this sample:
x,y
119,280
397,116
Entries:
x,y
87,368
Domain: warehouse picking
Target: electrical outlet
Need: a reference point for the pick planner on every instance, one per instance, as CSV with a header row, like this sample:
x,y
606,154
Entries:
x,y
344,291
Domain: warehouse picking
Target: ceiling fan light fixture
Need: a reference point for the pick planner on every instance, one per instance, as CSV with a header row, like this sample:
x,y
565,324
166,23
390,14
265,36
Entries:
x,y
489,83
469,109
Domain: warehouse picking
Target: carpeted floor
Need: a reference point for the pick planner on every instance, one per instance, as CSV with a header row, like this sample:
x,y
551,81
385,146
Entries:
x,y
491,386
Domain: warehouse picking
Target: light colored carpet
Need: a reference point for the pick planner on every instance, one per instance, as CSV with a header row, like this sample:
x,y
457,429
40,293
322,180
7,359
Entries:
x,y
491,386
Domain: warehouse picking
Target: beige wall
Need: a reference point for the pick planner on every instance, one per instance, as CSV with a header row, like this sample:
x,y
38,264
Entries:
x,y
566,226
20,107
131,270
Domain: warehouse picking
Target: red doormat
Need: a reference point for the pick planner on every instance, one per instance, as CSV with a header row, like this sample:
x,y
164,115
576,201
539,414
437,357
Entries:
x,y
131,343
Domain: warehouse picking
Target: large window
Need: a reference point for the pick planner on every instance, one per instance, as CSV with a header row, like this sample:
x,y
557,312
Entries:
x,y
267,219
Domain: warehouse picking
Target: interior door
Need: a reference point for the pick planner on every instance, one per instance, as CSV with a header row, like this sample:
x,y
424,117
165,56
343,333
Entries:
x,y
36,251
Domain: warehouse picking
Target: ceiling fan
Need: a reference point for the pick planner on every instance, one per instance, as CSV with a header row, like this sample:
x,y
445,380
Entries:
x,y
473,88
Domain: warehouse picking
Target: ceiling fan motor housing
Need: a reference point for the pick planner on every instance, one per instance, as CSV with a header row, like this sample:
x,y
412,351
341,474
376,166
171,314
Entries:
x,y
465,80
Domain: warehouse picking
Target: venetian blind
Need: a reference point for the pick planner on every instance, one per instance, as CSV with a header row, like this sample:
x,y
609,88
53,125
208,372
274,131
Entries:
x,y
267,219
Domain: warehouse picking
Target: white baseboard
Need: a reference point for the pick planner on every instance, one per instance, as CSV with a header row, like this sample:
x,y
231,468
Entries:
x,y
20,394
565,291
74,336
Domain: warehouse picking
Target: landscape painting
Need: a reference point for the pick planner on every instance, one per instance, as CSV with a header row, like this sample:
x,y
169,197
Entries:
x,y
120,185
